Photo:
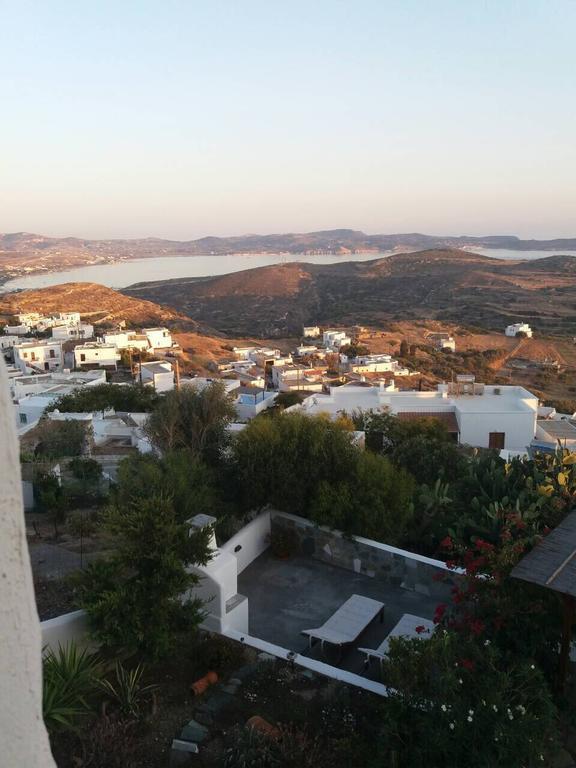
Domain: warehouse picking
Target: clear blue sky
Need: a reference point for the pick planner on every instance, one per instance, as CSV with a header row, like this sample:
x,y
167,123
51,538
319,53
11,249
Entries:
x,y
182,118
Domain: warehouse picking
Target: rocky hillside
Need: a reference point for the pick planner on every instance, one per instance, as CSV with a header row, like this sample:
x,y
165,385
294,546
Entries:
x,y
97,304
442,284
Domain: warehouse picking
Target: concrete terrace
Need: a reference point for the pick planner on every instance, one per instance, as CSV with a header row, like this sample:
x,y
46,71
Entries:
x,y
288,596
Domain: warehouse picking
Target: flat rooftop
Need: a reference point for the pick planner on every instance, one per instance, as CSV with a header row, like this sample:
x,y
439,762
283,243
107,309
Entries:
x,y
288,596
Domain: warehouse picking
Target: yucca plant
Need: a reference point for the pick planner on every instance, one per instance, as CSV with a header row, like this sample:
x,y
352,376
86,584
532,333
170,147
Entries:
x,y
127,691
70,681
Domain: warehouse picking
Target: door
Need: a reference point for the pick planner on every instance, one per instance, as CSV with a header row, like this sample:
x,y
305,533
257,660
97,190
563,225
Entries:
x,y
496,440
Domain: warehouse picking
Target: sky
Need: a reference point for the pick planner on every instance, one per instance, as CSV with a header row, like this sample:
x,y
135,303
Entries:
x,y
185,118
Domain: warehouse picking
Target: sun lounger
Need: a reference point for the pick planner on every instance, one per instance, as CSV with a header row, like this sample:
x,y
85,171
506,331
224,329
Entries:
x,y
349,621
409,626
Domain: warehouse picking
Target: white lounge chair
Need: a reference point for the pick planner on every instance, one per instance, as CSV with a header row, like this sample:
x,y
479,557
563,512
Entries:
x,y
406,627
348,622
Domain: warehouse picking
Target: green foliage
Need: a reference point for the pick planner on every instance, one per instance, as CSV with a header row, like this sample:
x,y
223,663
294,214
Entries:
x,y
129,398
190,483
51,498
127,690
355,350
85,469
287,399
429,459
193,419
82,524
70,679
216,652
372,499
133,599
385,432
562,406
457,703
61,438
282,461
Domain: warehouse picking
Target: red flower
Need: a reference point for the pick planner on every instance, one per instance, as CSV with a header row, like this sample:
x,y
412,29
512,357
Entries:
x,y
476,627
450,564
467,664
447,543
439,612
546,530
421,628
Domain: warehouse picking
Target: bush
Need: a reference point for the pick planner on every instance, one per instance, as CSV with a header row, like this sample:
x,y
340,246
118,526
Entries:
x,y
103,397
85,469
429,459
292,748
61,438
82,524
454,703
111,742
70,682
127,690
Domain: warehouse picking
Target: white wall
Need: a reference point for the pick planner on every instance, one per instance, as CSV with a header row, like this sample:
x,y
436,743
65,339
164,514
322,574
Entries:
x,y
64,629
519,428
23,737
253,540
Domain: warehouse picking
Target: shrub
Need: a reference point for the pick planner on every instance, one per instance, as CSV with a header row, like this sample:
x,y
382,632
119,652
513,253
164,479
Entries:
x,y
127,690
70,681
111,742
82,524
292,748
131,398
85,469
61,438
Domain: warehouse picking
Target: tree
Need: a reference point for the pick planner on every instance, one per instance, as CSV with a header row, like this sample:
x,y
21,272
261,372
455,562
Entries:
x,y
403,348
429,458
61,438
373,500
133,599
51,498
193,419
103,397
281,461
385,431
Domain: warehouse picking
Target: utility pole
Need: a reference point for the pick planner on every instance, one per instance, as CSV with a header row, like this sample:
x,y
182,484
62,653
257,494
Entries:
x,y
177,364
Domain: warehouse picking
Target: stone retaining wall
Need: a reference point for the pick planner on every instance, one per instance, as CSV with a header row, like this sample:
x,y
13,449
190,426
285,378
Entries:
x,y
390,565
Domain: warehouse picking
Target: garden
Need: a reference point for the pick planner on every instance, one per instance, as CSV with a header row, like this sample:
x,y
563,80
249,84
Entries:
x,y
482,691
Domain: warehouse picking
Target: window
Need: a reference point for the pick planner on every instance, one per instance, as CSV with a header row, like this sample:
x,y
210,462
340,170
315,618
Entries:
x,y
82,357
33,355
46,366
52,353
23,418
24,354
496,440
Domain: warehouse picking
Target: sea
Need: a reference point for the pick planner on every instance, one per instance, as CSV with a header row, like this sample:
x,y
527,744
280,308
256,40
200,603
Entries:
x,y
124,273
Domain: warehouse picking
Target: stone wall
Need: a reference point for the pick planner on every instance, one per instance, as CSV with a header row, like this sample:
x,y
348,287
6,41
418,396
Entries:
x,y
390,565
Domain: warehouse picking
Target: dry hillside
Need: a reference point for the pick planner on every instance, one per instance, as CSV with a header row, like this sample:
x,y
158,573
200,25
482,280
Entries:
x,y
96,303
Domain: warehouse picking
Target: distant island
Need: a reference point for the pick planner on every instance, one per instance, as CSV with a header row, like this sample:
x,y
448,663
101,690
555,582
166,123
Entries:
x,y
23,253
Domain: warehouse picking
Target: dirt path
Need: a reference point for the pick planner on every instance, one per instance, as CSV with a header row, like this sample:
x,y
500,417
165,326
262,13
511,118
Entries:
x,y
498,364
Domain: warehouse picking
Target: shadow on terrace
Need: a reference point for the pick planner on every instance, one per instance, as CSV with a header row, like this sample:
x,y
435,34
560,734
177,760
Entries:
x,y
286,597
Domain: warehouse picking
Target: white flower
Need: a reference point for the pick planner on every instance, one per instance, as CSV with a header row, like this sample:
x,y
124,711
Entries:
x,y
486,642
470,711
444,708
533,667
460,681
451,726
470,718
494,707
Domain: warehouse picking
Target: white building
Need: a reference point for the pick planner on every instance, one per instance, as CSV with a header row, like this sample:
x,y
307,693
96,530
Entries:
x,y
514,330
38,356
335,339
33,394
311,332
306,349
250,401
28,318
95,355
7,342
158,338
73,331
156,374
127,340
479,415
17,330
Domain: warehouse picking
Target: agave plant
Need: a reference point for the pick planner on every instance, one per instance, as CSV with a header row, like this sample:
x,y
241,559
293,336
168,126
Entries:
x,y
127,690
70,681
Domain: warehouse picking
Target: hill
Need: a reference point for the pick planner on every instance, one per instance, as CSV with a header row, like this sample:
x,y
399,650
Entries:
x,y
443,284
22,252
96,303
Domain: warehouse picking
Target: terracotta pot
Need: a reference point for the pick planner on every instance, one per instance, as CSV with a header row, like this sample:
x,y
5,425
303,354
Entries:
x,y
203,683
263,726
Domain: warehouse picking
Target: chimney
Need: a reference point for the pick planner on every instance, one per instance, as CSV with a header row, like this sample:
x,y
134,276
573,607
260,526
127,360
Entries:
x,y
198,522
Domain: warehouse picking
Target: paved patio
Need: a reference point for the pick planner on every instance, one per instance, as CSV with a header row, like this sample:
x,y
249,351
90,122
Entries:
x,y
288,596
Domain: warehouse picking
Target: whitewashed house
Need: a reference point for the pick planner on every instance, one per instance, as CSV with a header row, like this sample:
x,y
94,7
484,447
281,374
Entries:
x,y
311,332
17,330
73,331
158,338
38,356
516,328
251,401
158,375
334,339
127,340
96,355
7,343
483,416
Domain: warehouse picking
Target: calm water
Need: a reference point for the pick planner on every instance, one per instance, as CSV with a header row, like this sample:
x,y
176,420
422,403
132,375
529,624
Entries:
x,y
125,273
